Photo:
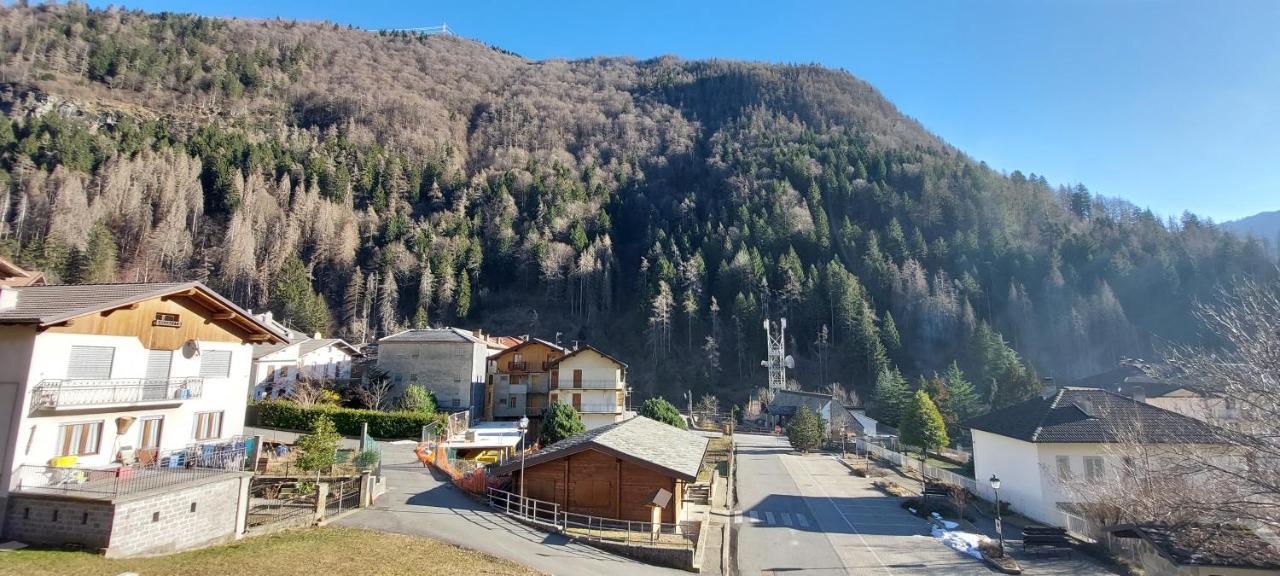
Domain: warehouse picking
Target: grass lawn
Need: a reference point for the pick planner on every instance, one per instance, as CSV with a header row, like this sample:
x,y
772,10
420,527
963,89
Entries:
x,y
948,465
317,552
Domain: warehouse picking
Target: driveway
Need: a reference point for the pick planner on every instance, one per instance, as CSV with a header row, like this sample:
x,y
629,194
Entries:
x,y
808,513
420,504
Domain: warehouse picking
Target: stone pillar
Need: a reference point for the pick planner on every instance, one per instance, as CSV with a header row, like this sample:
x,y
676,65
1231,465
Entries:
x,y
322,494
242,510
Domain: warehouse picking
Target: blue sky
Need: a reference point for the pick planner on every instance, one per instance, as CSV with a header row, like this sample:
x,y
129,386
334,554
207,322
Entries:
x,y
1172,105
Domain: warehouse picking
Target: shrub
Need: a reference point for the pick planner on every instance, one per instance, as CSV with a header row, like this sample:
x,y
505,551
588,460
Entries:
x,y
368,459
320,447
662,411
347,421
418,399
562,421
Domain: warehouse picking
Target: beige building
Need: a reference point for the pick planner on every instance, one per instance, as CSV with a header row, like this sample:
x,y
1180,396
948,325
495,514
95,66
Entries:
x,y
593,382
450,362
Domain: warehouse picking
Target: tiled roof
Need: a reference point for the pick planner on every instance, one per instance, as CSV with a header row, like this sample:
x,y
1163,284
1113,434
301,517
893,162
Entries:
x,y
1126,379
314,344
785,403
1092,416
263,350
1211,545
646,442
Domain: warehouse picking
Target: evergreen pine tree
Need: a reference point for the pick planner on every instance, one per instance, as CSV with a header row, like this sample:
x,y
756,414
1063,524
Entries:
x,y
662,411
922,425
561,421
806,430
890,397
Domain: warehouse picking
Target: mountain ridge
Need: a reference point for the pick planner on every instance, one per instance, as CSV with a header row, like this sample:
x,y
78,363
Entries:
x,y
359,182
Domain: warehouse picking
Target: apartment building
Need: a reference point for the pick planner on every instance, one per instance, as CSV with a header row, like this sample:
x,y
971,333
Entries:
x,y
450,362
593,382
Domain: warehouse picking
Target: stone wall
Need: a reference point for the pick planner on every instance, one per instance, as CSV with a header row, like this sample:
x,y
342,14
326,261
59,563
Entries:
x,y
184,517
190,517
58,521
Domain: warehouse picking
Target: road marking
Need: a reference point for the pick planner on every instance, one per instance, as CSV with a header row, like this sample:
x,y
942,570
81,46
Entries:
x,y
768,517
786,519
836,507
801,521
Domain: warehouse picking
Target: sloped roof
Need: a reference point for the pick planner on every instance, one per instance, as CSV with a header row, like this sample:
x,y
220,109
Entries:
x,y
645,442
313,344
1126,379
13,275
58,303
588,347
434,335
264,350
1092,416
786,402
529,342
1215,545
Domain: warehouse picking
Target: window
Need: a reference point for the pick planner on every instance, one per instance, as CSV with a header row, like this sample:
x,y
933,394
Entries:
x,y
90,362
158,364
208,425
1064,468
167,319
517,357
81,439
502,401
514,403
1093,468
150,431
215,364
456,402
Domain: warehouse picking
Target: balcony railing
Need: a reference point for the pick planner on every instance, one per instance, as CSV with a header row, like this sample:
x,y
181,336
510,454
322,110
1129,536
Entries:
x,y
158,470
600,409
526,366
603,384
55,394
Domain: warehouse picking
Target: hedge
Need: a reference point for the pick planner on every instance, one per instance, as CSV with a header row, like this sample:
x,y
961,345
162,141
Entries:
x,y
290,416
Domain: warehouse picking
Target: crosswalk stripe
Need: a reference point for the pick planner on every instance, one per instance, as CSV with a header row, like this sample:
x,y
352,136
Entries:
x,y
768,517
786,519
801,521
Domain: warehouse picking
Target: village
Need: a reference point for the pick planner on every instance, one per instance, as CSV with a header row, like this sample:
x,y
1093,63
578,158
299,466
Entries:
x,y
149,419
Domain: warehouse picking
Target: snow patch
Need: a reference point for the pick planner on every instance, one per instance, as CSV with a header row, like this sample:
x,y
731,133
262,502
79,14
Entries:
x,y
963,542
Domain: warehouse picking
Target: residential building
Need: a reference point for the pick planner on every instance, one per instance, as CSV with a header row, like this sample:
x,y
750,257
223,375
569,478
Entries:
x,y
1042,447
839,420
13,275
593,382
519,379
450,362
613,471
277,366
98,379
1138,380
1200,550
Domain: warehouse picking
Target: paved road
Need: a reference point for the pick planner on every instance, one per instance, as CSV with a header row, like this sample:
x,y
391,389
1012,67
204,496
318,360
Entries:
x,y
419,504
809,514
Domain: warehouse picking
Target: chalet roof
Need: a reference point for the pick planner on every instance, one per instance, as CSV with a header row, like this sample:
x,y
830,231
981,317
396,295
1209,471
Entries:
x,y
530,342
786,402
639,440
264,350
1215,545
1093,416
58,303
1127,378
13,275
588,347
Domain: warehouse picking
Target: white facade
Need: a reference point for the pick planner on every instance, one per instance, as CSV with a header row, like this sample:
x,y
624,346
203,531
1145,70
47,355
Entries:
x,y
35,436
274,373
594,384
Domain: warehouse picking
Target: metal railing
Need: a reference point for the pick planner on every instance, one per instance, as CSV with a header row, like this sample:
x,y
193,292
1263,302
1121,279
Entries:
x,y
599,408
161,470
600,384
908,462
682,535
52,394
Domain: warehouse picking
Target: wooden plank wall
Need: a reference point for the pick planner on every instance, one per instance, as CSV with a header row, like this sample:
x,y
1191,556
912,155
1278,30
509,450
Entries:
x,y
197,324
599,484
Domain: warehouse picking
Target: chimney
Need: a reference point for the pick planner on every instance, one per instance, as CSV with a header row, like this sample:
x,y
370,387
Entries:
x,y
8,298
1139,393
478,333
1048,387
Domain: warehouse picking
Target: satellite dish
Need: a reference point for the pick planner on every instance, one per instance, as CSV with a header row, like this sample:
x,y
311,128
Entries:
x,y
766,324
191,348
790,362
764,363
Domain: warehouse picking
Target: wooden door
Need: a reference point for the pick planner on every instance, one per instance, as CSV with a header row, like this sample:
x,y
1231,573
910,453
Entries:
x,y
577,378
577,402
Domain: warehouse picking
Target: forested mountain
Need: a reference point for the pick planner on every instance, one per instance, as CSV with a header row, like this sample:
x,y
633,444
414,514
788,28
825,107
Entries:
x,y
360,182
1264,225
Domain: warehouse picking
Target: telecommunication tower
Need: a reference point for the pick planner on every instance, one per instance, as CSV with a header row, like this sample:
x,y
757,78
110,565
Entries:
x,y
778,360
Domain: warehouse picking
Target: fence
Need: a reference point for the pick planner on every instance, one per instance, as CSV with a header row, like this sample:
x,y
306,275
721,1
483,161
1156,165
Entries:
x,y
680,535
273,506
343,495
154,470
909,463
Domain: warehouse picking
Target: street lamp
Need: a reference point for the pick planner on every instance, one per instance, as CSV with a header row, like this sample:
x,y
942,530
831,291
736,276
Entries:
x,y
995,487
844,433
524,427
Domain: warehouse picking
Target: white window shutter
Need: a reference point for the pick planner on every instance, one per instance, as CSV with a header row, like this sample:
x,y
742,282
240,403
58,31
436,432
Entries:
x,y
90,362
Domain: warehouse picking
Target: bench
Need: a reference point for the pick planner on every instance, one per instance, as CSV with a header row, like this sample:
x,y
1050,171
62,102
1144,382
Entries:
x,y
1046,537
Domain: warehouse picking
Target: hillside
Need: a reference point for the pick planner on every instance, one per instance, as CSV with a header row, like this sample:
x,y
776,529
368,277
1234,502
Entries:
x,y
1263,225
360,183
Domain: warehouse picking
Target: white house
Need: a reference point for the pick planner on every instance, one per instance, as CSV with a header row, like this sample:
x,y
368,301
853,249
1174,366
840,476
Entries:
x,y
277,366
450,362
94,375
593,382
1041,447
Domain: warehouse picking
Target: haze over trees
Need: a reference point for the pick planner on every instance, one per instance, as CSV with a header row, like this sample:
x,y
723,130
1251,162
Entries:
x,y
358,183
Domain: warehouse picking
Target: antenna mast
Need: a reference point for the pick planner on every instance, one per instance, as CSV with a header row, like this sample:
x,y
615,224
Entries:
x,y
778,361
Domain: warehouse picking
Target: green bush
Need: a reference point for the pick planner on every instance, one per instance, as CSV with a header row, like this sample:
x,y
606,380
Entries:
x,y
347,421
